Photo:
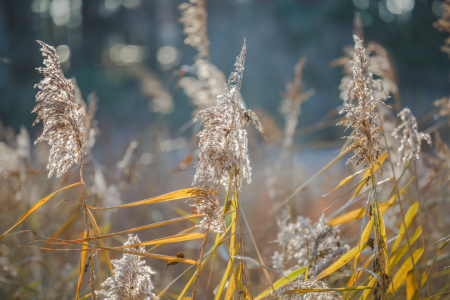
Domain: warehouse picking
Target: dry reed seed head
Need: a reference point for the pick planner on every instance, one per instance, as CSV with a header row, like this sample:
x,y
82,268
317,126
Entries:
x,y
363,117
223,141
443,24
153,88
62,117
308,284
410,137
203,90
132,278
323,241
127,166
23,143
291,105
10,162
379,63
108,195
443,150
194,19
444,107
205,201
90,128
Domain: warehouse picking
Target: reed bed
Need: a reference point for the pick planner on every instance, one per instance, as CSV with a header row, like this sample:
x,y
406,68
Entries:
x,y
380,227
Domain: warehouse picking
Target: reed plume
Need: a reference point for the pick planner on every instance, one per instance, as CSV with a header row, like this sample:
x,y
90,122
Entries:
x,y
62,117
410,138
363,117
90,128
223,141
443,24
205,201
294,96
306,284
194,18
323,241
132,278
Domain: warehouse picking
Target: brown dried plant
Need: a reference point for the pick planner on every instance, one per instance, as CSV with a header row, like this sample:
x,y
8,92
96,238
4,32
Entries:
x,y
410,137
294,96
205,201
324,242
443,24
223,141
379,64
194,18
132,278
443,104
363,117
62,117
204,89
301,284
63,126
90,128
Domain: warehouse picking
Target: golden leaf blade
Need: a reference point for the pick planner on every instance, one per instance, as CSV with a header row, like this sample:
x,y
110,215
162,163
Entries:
x,y
180,194
35,207
350,254
82,264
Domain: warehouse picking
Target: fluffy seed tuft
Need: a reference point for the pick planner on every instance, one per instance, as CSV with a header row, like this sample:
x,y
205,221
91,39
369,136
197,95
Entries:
x,y
62,117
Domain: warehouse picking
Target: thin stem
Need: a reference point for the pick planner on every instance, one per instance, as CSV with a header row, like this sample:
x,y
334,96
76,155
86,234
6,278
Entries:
x,y
421,223
401,207
83,198
194,292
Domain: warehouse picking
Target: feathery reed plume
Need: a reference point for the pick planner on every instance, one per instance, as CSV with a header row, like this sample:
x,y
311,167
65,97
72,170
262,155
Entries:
x,y
293,98
23,143
443,24
323,240
363,118
203,90
153,88
108,195
223,141
379,64
207,202
444,107
132,278
62,117
90,128
10,162
308,284
127,166
410,137
193,18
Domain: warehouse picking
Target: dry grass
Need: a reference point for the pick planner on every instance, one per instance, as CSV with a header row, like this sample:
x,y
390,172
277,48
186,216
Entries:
x,y
223,242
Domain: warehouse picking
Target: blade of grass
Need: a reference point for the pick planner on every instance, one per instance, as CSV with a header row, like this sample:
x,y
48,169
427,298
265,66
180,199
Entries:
x,y
410,214
350,254
257,252
232,283
168,240
144,227
97,232
345,180
400,276
311,179
82,264
180,194
35,207
226,274
282,281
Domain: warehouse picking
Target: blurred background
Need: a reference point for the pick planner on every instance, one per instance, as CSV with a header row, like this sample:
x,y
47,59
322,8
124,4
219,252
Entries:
x,y
131,53
102,42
